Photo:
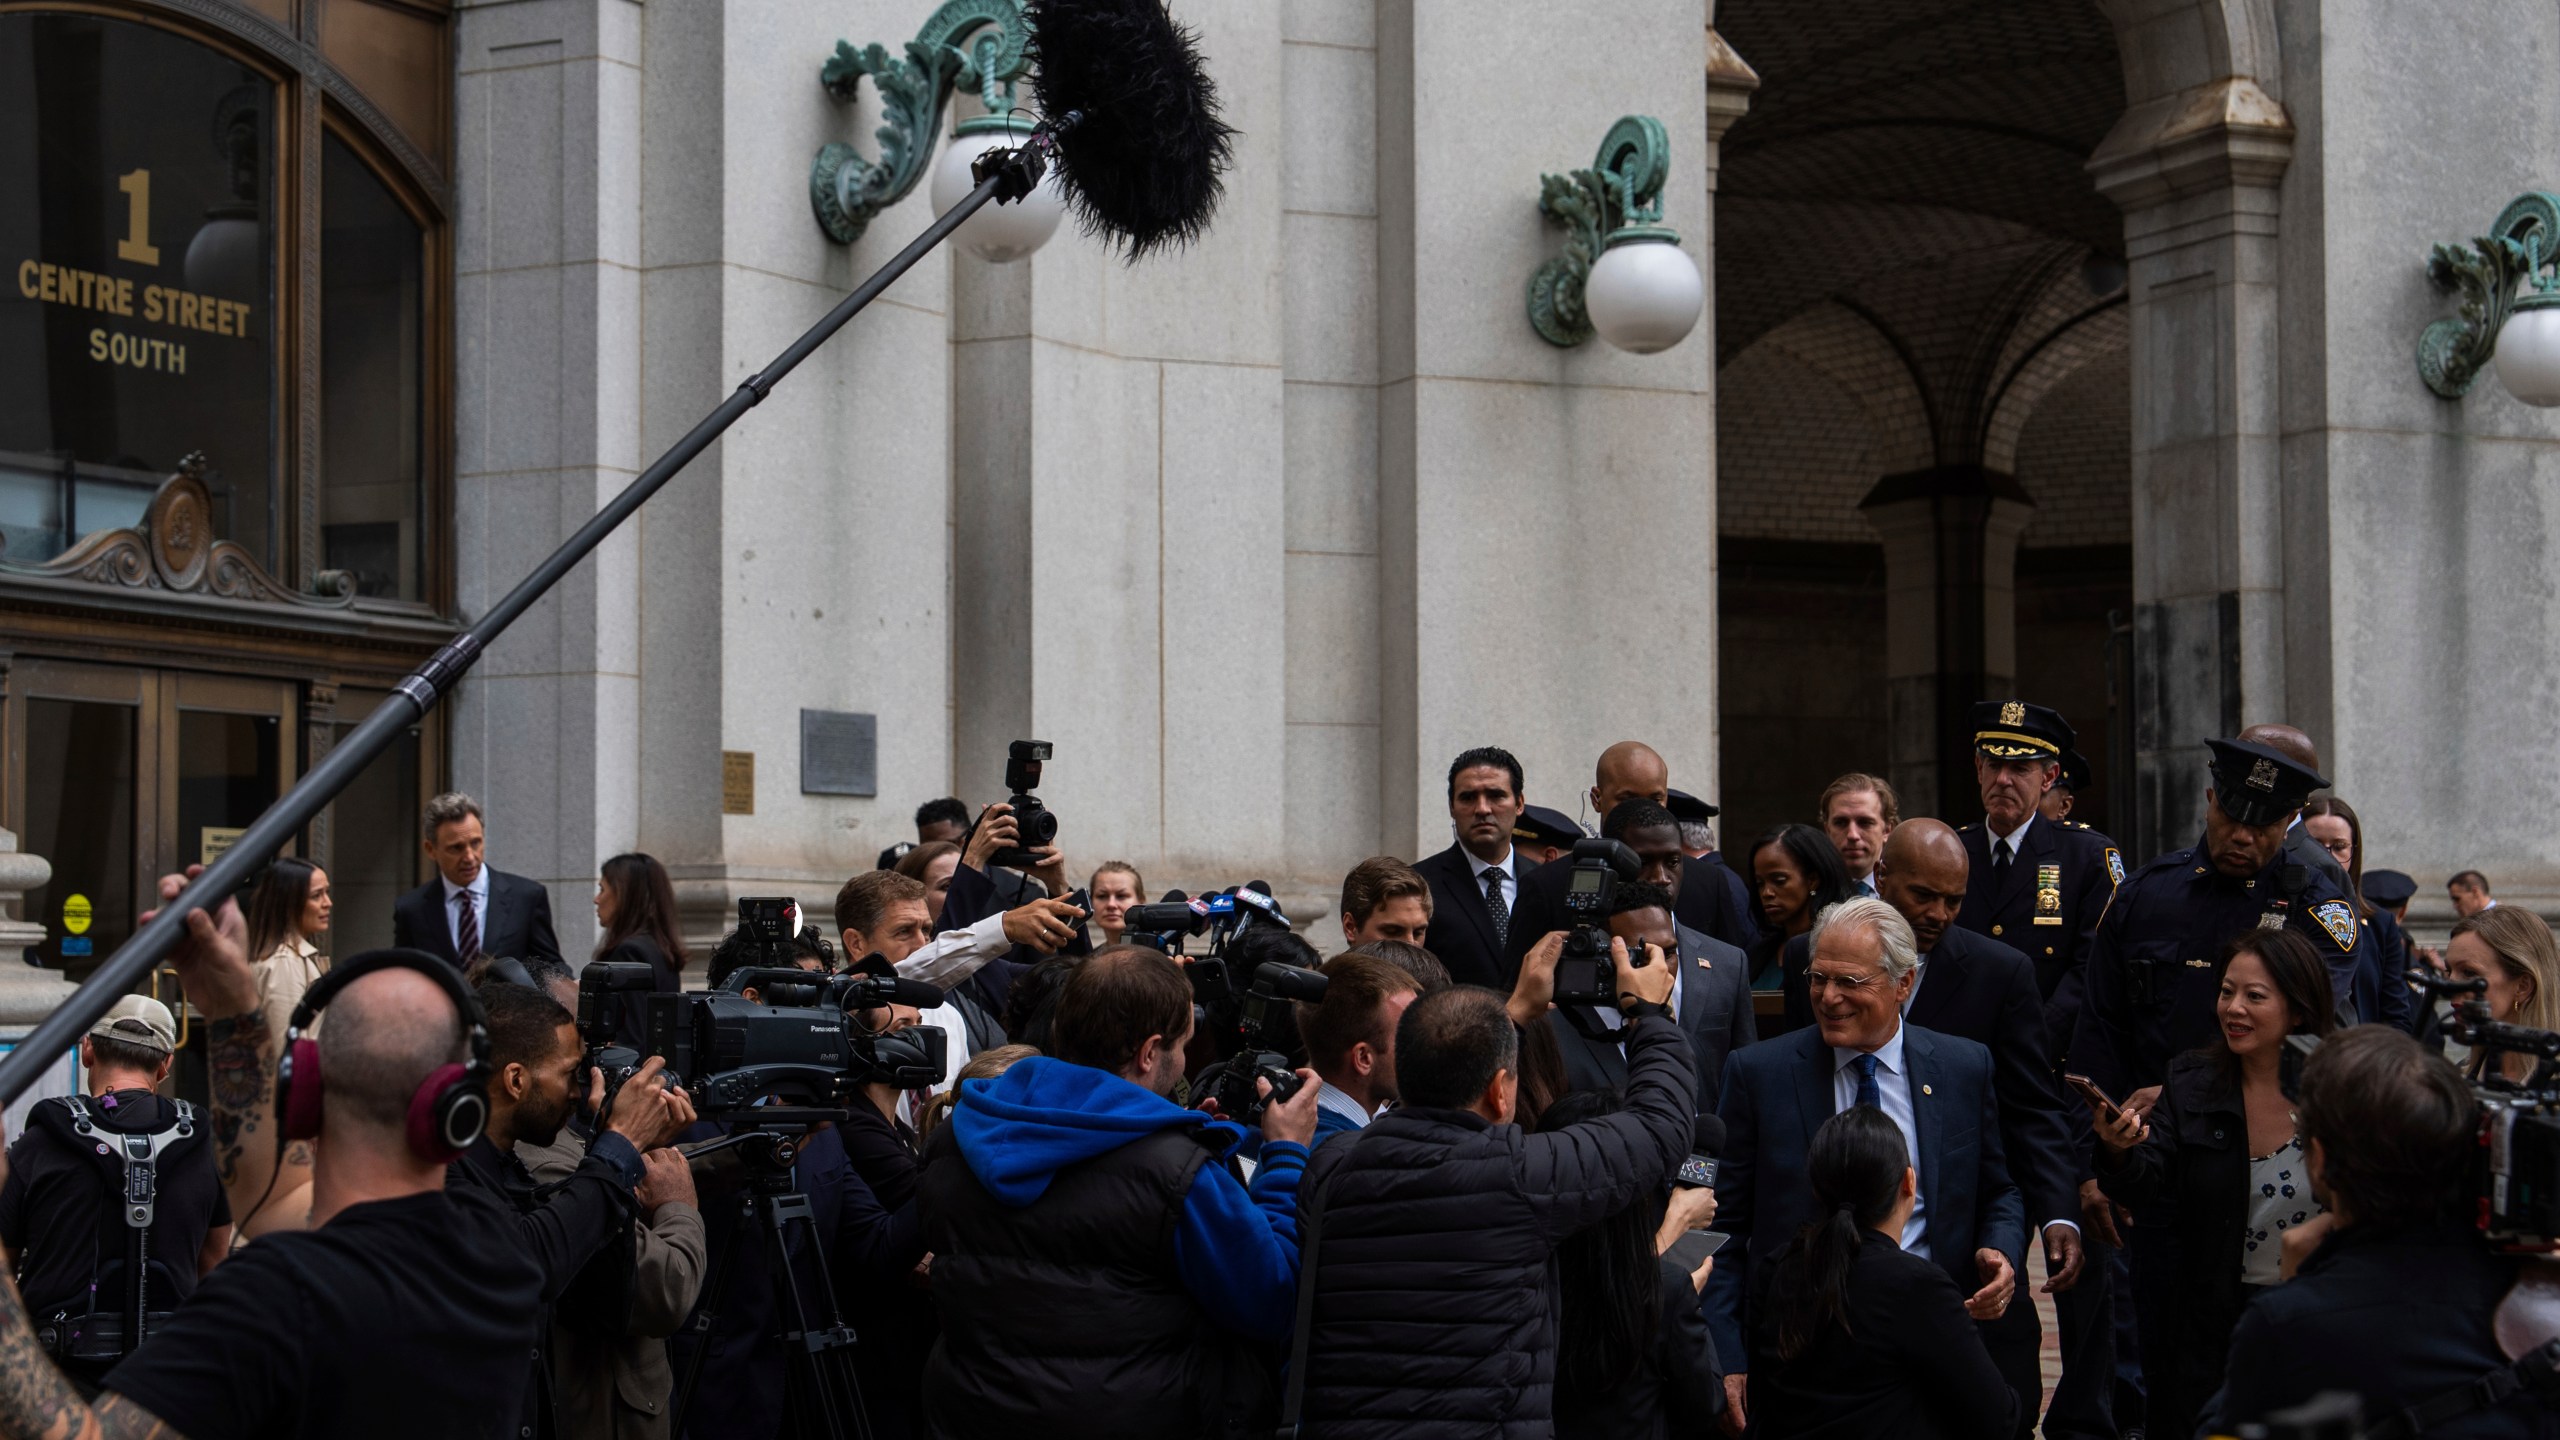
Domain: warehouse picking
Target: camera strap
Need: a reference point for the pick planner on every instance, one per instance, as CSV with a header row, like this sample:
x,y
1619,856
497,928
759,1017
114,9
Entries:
x,y
2537,1373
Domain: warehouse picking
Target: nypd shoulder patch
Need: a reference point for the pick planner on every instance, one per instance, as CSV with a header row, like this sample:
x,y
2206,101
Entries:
x,y
2115,865
2340,921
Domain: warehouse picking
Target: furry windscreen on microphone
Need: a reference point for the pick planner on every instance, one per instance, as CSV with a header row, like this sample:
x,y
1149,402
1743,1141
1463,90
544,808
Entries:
x,y
1141,165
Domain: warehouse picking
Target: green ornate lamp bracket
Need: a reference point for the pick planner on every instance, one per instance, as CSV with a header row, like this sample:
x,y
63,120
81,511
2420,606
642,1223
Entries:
x,y
2522,248
1618,198
982,44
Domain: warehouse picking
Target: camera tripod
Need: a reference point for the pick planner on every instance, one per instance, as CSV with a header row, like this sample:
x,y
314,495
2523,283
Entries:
x,y
822,1395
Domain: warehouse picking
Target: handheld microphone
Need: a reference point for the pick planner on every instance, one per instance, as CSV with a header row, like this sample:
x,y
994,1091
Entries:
x,y
1698,1172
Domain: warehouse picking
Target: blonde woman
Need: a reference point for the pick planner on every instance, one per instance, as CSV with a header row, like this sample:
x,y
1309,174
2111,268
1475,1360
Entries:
x,y
2511,949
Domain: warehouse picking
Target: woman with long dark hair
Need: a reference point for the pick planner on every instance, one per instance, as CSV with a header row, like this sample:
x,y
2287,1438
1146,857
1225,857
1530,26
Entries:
x,y
1632,1354
2219,1154
288,913
636,905
2333,823
1796,873
1857,1339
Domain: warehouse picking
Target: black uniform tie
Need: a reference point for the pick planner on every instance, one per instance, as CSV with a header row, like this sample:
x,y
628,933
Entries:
x,y
2000,861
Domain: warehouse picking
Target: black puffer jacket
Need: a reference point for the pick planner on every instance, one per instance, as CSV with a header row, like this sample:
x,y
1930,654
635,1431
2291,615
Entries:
x,y
1435,1277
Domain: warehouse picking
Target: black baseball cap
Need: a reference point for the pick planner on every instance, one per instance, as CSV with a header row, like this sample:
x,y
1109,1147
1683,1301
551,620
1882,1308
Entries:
x,y
1687,808
1541,826
2016,730
2256,785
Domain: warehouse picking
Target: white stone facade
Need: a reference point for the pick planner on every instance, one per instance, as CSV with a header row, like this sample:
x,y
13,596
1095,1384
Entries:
x,y
1261,533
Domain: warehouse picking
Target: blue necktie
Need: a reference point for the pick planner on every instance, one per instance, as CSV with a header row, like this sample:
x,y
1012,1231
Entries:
x,y
1867,1092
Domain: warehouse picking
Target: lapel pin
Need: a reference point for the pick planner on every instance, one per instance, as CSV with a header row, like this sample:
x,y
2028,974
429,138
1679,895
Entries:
x,y
1925,1090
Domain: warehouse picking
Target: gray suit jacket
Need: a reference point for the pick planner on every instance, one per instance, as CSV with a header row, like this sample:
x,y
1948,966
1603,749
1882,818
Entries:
x,y
1715,1013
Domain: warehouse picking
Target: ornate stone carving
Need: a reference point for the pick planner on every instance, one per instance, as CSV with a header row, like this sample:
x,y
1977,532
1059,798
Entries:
x,y
174,548
2523,244
845,189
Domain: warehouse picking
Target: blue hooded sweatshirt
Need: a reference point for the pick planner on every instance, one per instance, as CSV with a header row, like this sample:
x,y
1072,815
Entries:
x,y
1235,1249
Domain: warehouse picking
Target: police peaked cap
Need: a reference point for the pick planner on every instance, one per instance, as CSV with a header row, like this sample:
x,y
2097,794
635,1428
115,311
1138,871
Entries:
x,y
2389,889
1541,826
1687,808
2076,775
2016,730
2255,785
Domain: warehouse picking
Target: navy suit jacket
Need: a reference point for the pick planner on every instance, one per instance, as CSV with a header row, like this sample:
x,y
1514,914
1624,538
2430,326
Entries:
x,y
1777,1094
1461,933
1984,991
518,925
1715,1013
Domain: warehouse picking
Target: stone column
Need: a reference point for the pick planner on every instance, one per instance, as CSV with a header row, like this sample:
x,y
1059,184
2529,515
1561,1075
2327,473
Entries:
x,y
1951,636
1545,516
2196,174
28,993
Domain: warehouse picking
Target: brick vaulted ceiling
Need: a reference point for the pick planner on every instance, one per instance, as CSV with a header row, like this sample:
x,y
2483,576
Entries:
x,y
1919,162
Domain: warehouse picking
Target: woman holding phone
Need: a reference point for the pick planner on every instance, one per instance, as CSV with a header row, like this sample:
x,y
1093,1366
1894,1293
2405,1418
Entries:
x,y
2219,1153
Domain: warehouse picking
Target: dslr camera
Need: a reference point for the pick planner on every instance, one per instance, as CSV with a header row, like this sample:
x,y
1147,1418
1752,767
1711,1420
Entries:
x,y
1234,985
1585,974
1034,822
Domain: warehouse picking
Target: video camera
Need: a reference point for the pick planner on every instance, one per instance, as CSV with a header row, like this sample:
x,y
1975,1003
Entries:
x,y
1034,822
2518,1174
788,1058
1585,973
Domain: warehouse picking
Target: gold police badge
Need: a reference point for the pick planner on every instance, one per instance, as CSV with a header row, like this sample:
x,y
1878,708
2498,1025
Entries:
x,y
2013,713
2048,895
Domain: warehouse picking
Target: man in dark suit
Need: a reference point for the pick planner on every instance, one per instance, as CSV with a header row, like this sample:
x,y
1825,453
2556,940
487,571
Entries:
x,y
1981,990
1630,770
470,910
1712,1002
1475,883
1940,1090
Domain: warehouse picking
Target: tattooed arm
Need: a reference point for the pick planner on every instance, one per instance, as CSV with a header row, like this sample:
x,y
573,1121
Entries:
x,y
240,1052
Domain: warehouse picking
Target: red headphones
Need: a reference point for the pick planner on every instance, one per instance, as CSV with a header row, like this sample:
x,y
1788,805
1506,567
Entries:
x,y
450,1108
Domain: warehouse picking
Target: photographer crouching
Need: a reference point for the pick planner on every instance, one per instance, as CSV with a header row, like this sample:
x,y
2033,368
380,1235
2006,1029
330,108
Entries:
x,y
1098,1270
2398,1302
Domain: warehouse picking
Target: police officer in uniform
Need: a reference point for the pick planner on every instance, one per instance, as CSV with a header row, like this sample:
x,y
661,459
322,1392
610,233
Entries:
x,y
2075,777
2154,969
1543,834
2038,884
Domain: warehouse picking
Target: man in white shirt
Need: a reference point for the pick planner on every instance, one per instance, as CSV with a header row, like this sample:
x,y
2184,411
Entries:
x,y
883,912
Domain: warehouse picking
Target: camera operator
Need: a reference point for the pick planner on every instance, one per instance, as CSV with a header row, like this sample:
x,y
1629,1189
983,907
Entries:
x,y
534,1058
609,1371
1351,1040
1440,1221
2398,1302
408,1311
1098,1270
62,1215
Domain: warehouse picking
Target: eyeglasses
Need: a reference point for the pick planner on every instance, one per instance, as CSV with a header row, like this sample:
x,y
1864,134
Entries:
x,y
1816,982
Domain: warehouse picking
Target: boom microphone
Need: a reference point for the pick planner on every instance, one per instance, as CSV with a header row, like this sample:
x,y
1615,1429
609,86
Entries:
x,y
1130,120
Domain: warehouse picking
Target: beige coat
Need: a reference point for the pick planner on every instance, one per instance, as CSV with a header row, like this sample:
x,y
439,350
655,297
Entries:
x,y
294,967
625,1389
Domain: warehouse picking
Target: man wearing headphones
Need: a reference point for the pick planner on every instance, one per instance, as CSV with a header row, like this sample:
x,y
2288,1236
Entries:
x,y
534,1057
409,1308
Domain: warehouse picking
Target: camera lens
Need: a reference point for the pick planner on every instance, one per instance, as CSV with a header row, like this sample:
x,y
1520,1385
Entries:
x,y
1039,827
